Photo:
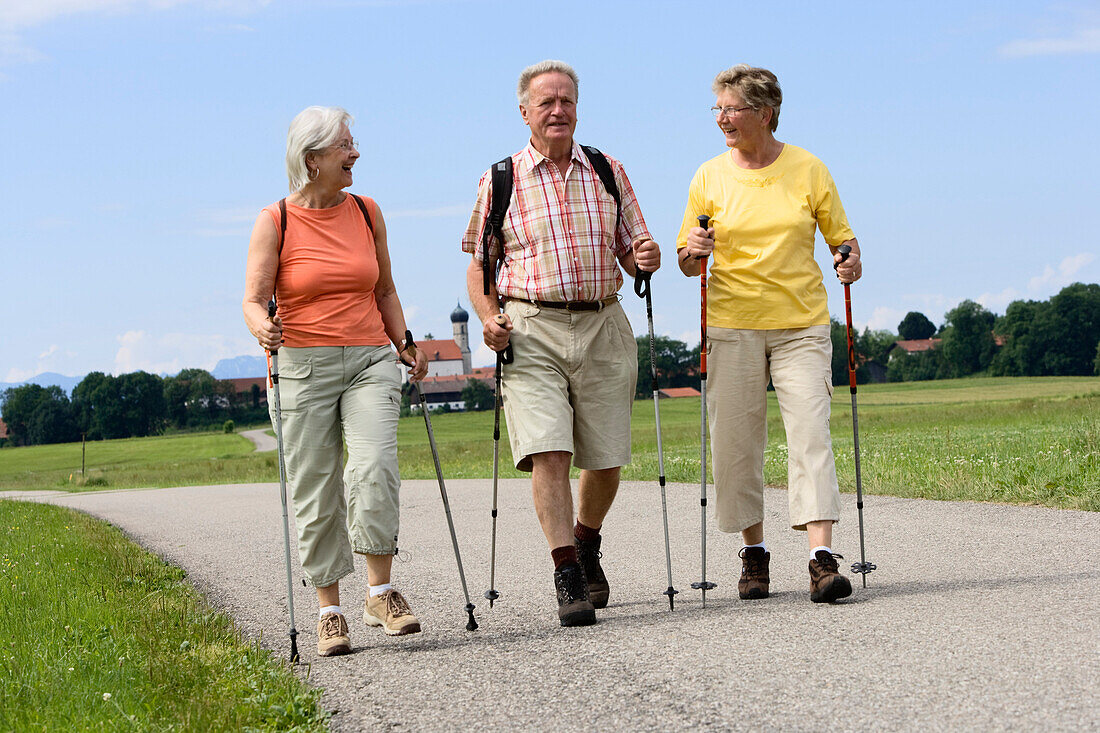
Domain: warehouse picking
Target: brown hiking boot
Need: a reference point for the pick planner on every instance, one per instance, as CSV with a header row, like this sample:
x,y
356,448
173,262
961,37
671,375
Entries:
x,y
754,573
574,606
588,553
826,582
391,611
332,635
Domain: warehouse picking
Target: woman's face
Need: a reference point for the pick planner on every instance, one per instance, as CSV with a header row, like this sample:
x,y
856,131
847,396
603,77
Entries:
x,y
741,125
335,162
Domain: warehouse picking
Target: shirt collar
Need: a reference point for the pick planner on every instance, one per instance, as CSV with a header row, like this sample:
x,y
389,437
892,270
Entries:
x,y
531,158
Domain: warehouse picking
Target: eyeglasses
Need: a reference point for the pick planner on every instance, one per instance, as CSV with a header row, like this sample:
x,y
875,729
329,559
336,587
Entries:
x,y
727,111
346,145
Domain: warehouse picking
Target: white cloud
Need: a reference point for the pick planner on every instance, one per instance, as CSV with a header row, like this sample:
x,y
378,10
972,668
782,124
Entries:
x,y
53,359
884,318
19,15
1081,41
997,302
170,352
1053,279
20,375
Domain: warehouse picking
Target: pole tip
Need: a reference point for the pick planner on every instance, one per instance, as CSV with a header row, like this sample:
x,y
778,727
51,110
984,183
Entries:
x,y
471,625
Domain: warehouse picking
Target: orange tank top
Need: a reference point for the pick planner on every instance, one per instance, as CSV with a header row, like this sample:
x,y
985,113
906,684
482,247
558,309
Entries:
x,y
328,267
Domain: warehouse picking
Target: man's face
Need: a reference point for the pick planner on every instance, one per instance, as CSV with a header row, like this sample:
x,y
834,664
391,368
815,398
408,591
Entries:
x,y
551,110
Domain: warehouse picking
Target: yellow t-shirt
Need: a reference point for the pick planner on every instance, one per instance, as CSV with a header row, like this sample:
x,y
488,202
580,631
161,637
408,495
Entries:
x,y
763,274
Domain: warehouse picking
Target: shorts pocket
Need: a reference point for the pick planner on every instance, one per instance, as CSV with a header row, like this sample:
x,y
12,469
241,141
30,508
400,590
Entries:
x,y
293,383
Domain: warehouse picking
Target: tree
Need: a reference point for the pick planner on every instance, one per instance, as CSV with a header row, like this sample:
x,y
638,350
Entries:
x,y
99,406
194,397
144,409
968,344
918,367
36,415
875,345
677,365
1056,337
916,326
477,395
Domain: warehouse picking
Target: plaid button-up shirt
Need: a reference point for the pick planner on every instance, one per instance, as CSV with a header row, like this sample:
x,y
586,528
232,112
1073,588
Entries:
x,y
560,238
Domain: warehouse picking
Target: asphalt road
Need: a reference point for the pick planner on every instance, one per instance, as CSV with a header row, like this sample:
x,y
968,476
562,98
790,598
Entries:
x,y
261,440
980,616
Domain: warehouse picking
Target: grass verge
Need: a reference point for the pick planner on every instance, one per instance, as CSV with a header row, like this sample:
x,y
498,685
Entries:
x,y
126,643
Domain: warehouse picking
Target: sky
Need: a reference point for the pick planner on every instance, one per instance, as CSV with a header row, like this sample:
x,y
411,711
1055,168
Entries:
x,y
142,137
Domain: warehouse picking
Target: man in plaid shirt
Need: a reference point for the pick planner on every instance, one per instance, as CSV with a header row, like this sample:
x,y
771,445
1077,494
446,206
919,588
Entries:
x,y
569,392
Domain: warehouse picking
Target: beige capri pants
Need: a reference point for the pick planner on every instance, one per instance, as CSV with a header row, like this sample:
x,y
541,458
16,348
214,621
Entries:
x,y
798,363
329,395
571,386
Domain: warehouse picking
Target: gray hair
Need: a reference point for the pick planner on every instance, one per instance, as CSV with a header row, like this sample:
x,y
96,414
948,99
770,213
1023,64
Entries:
x,y
315,128
758,87
523,89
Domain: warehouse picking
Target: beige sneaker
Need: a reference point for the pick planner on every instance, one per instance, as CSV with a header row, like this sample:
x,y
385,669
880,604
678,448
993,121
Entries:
x,y
332,635
391,611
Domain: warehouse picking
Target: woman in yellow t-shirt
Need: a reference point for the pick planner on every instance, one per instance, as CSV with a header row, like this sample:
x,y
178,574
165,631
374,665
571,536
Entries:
x,y
768,319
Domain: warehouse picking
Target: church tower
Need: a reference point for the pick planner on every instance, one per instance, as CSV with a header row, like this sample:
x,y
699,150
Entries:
x,y
459,319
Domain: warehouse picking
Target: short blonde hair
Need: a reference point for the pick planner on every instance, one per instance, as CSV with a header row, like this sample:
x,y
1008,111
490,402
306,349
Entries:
x,y
758,87
313,129
523,89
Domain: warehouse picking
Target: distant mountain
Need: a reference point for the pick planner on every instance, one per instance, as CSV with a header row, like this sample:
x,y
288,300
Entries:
x,y
46,379
240,367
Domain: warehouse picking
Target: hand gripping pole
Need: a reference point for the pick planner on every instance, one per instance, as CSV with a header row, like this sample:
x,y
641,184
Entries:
x,y
703,585
862,567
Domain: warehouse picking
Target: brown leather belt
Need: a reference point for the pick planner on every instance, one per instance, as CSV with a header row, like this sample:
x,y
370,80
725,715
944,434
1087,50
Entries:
x,y
572,305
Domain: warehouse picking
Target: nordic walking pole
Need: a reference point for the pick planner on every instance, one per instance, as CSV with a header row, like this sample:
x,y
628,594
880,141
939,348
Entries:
x,y
642,288
863,567
471,625
703,585
274,376
503,357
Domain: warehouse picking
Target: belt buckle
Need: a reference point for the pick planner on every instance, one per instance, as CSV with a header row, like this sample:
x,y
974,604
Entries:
x,y
572,306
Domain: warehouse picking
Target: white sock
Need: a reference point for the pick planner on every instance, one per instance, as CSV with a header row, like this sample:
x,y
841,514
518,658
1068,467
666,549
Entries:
x,y
760,545
377,590
330,609
819,548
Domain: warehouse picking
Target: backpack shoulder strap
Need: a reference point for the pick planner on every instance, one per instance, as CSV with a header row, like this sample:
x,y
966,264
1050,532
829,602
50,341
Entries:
x,y
366,214
282,223
607,177
499,199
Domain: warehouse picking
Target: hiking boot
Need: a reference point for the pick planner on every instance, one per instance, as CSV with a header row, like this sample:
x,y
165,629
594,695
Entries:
x,y
754,573
588,553
574,606
826,582
332,635
391,611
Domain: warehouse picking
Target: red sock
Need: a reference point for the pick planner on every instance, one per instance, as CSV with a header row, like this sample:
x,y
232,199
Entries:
x,y
584,533
563,556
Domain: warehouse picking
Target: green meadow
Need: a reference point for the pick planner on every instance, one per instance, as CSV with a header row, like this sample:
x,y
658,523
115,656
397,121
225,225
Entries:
x,y
102,635
1018,440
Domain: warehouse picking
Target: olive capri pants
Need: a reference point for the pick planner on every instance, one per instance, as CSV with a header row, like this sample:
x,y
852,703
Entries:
x,y
329,392
798,363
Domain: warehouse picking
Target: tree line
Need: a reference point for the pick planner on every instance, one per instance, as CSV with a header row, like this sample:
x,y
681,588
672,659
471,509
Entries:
x,y
127,406
1055,337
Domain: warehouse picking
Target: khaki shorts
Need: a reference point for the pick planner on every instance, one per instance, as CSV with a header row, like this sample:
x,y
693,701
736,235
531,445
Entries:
x,y
798,363
331,395
571,386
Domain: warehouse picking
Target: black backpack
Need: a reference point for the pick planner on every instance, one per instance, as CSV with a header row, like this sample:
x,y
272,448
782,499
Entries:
x,y
501,197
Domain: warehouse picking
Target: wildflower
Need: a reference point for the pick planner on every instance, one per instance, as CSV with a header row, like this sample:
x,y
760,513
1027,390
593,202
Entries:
x,y
106,696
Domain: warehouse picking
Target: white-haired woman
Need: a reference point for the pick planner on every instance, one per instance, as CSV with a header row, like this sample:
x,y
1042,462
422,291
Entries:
x,y
768,320
323,253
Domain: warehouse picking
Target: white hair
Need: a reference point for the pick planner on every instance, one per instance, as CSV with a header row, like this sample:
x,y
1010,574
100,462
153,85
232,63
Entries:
x,y
523,89
315,128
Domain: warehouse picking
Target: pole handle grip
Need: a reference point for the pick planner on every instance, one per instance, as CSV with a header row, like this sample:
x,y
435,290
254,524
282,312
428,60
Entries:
x,y
505,355
844,250
704,223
